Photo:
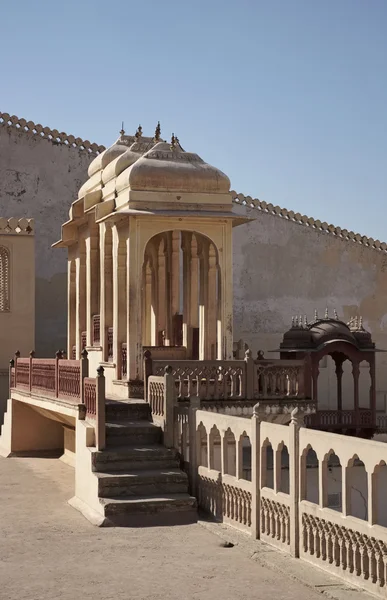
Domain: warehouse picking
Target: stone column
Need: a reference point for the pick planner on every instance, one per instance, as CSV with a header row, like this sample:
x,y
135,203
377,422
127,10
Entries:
x,y
203,302
339,378
356,374
255,473
212,325
294,481
186,248
162,293
134,307
372,504
92,279
106,280
175,281
119,294
373,389
193,291
80,318
225,327
147,305
315,374
71,306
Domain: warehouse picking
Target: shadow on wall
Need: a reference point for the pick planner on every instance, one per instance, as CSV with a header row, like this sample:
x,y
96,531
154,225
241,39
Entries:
x,y
51,315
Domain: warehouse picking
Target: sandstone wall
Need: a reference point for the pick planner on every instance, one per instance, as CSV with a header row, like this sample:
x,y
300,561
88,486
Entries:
x,y
39,178
284,268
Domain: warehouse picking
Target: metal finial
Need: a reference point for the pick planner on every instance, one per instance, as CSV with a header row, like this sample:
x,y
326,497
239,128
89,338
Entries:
x,y
177,141
122,132
296,321
292,322
326,313
316,315
300,321
157,132
306,321
361,323
335,315
138,133
356,322
173,141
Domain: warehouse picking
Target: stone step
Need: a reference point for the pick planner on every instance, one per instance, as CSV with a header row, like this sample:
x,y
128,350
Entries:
x,y
133,458
142,483
132,433
133,410
151,511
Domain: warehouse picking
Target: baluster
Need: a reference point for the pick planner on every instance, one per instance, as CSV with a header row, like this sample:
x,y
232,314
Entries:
x,y
364,560
311,540
316,542
372,563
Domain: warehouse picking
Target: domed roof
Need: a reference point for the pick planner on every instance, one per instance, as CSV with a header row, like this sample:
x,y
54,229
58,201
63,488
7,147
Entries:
x,y
304,336
168,168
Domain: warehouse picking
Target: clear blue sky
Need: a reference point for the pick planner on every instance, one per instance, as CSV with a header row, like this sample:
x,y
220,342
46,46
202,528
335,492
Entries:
x,y
288,97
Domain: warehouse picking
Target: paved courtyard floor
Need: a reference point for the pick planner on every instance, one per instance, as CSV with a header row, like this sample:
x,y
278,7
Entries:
x,y
48,551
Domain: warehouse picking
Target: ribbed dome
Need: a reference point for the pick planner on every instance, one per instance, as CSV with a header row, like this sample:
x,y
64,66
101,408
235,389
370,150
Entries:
x,y
166,169
324,331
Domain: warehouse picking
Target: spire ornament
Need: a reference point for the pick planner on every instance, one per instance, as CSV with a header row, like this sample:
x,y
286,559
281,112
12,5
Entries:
x,y
336,315
157,132
122,132
326,313
173,142
138,133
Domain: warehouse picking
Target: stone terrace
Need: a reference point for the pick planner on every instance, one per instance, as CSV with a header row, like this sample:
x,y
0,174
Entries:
x,y
50,551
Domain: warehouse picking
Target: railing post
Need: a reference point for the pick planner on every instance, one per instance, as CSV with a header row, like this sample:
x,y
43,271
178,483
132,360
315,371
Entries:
x,y
194,406
147,371
84,373
294,480
58,355
249,368
17,355
11,366
169,405
255,472
32,354
100,433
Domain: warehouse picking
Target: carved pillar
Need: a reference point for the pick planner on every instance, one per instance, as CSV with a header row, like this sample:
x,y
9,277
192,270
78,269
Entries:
x,y
315,374
212,304
92,279
162,293
147,321
373,389
186,249
194,299
355,374
175,282
339,378
71,304
203,302
119,295
106,280
135,307
80,264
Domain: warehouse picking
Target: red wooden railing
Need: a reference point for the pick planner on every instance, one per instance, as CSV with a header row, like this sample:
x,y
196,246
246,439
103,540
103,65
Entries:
x,y
69,378
124,359
96,330
43,375
110,343
90,395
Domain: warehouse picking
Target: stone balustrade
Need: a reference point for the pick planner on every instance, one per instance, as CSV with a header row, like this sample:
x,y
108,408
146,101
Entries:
x,y
316,495
247,379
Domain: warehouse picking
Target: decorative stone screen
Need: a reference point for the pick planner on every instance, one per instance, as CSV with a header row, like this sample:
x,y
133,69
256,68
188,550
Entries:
x,y
4,279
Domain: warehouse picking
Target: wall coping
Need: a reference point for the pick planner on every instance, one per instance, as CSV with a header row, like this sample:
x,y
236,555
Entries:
x,y
70,141
19,226
53,135
314,224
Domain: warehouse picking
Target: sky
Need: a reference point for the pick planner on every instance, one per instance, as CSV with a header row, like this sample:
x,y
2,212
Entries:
x,y
288,97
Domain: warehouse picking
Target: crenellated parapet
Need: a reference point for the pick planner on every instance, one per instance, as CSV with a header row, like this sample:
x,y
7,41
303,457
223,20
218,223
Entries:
x,y
315,224
53,135
16,226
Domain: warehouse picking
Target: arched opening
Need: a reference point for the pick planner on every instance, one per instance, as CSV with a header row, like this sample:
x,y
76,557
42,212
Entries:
x,y
229,449
267,464
357,488
347,386
379,494
215,449
245,447
332,481
181,294
202,449
310,476
282,469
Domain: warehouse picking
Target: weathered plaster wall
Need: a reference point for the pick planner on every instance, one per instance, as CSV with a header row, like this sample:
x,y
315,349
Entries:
x,y
40,178
283,268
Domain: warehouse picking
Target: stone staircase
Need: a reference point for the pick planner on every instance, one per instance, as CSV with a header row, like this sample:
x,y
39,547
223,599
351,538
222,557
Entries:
x,y
140,482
